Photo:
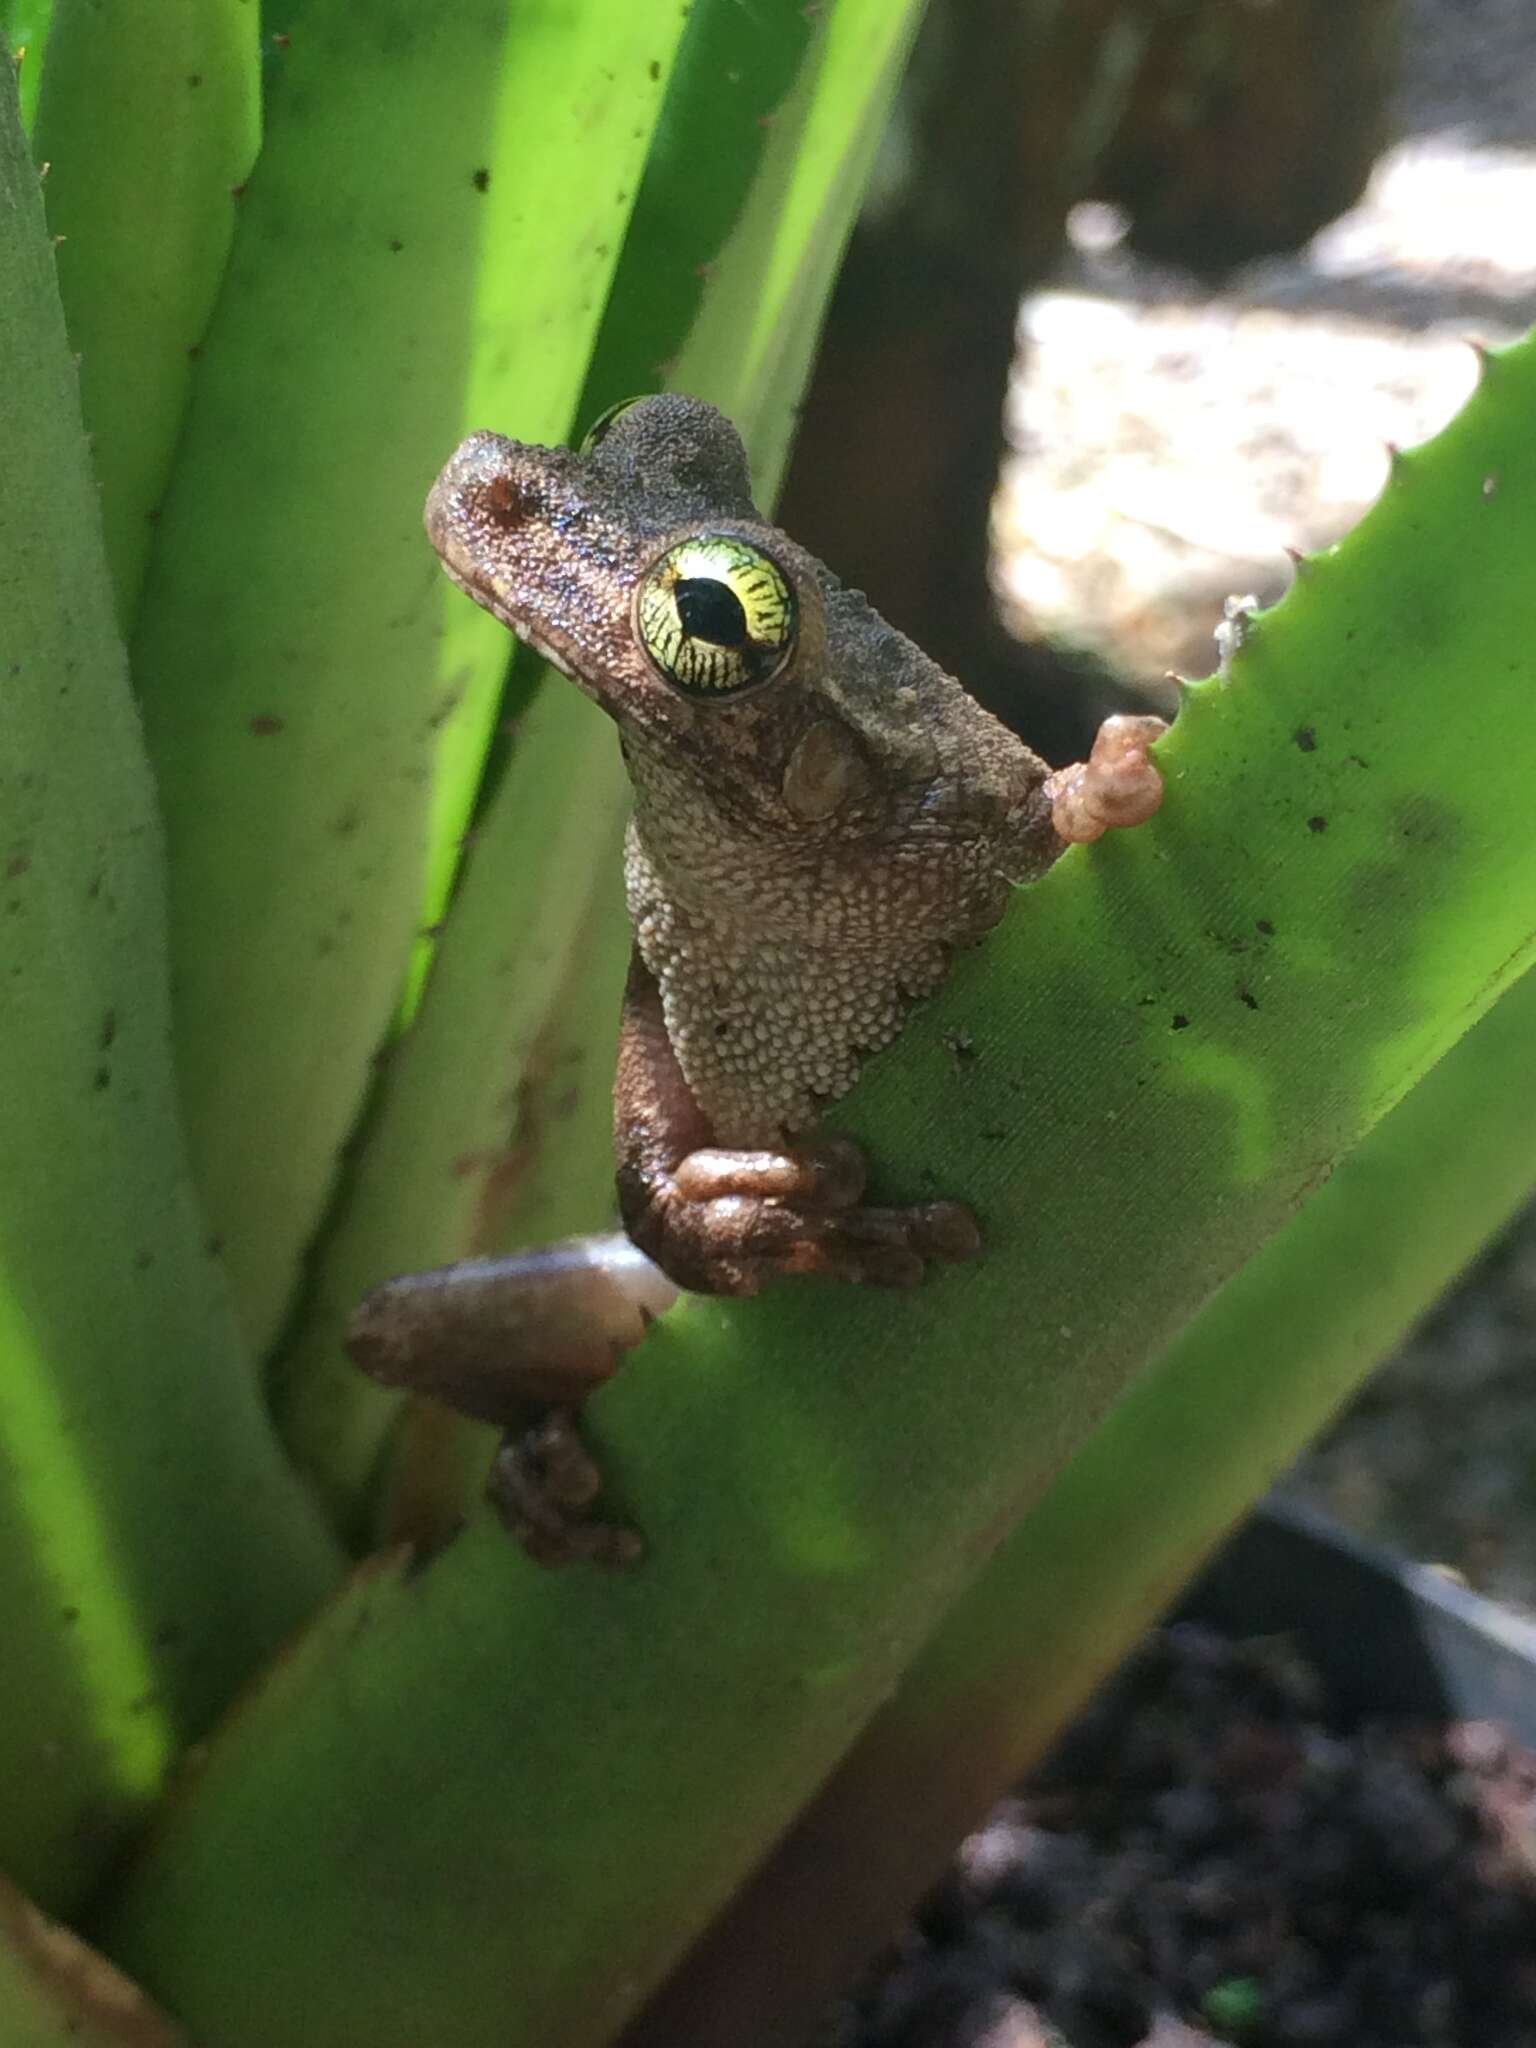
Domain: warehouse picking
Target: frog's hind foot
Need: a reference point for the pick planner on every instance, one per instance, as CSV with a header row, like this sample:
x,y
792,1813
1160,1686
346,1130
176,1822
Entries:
x,y
543,1481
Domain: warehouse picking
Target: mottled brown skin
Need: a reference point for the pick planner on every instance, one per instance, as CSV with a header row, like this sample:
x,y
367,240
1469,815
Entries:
x,y
802,863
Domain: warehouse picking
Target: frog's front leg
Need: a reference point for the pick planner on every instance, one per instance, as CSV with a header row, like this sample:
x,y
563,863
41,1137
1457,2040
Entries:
x,y
521,1342
721,1219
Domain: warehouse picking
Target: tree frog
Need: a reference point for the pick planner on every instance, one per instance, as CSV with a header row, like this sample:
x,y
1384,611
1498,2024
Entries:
x,y
821,817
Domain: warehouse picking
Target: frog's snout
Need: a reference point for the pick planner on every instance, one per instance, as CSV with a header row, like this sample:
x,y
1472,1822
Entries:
x,y
483,490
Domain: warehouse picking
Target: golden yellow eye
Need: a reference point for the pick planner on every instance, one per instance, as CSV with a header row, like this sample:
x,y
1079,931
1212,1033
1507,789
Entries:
x,y
716,616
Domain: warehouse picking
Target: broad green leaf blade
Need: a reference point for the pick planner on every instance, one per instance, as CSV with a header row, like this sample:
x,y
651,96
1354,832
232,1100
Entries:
x,y
424,245
1252,1379
1116,1536
153,1546
149,123
1170,1040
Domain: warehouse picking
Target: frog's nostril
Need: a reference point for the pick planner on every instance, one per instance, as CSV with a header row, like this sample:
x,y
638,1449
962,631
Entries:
x,y
487,483
511,500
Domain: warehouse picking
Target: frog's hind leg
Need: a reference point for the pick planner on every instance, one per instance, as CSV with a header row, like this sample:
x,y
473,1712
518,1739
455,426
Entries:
x,y
521,1342
722,1219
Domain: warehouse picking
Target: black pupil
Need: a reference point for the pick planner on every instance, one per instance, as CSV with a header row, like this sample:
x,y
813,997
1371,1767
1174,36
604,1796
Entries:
x,y
710,610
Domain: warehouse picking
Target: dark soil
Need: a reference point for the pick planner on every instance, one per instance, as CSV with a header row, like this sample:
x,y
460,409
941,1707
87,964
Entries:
x,y
1205,1860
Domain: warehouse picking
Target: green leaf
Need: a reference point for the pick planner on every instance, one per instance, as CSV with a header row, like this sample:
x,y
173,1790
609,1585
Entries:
x,y
152,1543
170,97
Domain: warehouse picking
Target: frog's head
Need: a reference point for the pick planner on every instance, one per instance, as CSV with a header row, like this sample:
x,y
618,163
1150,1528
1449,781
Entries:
x,y
637,565
731,660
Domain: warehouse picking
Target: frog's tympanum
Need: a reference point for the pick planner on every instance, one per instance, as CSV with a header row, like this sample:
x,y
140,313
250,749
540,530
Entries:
x,y
821,817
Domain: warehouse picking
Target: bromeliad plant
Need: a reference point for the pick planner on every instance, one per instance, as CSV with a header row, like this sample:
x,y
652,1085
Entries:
x,y
426,1821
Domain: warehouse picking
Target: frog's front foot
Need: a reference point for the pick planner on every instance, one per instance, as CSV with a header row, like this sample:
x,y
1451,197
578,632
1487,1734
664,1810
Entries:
x,y
724,1221
1118,784
543,1481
